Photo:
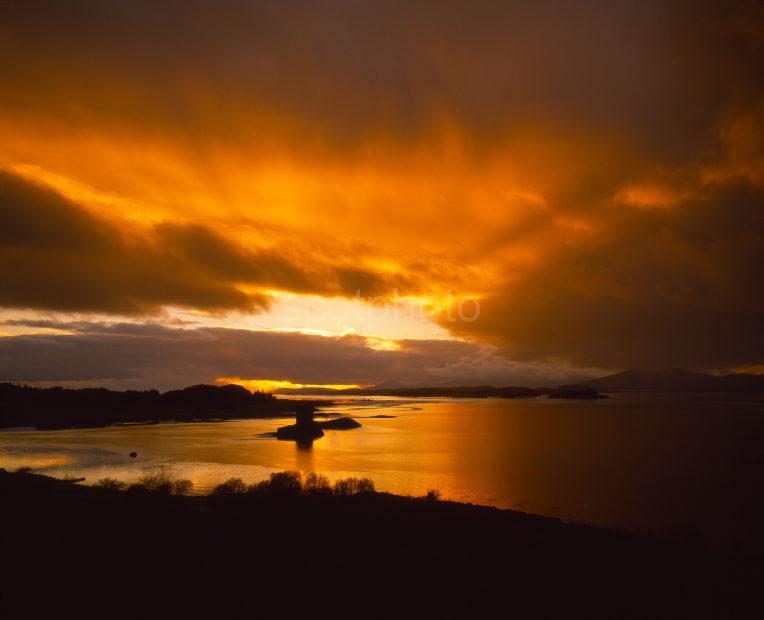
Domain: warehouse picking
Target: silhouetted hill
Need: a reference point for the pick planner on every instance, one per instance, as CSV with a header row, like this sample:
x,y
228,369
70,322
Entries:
x,y
677,380
371,555
58,407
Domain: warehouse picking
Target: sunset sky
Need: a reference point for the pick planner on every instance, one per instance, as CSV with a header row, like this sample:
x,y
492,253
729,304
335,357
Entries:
x,y
357,193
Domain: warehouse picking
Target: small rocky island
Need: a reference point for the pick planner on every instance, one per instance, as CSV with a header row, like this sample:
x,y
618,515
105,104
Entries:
x,y
306,429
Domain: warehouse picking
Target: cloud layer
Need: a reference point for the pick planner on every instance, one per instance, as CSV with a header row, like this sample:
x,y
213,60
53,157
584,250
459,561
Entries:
x,y
56,255
677,288
592,173
153,355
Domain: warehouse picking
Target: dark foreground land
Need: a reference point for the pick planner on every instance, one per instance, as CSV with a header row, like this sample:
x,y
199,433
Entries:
x,y
82,551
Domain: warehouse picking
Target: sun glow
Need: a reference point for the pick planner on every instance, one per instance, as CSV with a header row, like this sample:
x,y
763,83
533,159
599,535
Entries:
x,y
271,385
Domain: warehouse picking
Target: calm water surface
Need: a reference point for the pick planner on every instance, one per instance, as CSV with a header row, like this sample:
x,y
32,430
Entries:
x,y
677,465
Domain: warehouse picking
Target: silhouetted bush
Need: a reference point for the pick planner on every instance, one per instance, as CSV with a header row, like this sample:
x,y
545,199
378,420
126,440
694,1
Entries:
x,y
289,482
232,486
317,484
258,487
162,480
182,487
433,495
351,486
24,470
365,485
157,480
279,483
110,484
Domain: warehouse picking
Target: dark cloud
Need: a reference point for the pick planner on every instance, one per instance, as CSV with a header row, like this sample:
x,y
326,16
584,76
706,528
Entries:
x,y
669,288
363,283
35,217
152,355
56,255
657,71
223,259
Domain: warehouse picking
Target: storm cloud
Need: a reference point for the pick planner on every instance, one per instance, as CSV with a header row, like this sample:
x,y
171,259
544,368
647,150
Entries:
x,y
56,255
676,288
592,174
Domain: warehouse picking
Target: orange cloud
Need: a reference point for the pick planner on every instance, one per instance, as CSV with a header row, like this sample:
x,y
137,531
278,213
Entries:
x,y
474,158
648,196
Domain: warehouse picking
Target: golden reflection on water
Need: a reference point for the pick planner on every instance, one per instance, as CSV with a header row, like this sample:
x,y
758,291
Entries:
x,y
12,461
627,462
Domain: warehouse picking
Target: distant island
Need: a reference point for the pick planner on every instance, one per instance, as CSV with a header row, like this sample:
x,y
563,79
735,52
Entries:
x,y
56,407
443,391
677,380
667,380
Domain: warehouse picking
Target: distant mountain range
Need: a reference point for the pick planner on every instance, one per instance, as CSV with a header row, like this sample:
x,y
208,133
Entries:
x,y
677,380
668,380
